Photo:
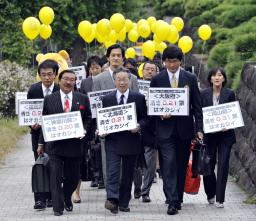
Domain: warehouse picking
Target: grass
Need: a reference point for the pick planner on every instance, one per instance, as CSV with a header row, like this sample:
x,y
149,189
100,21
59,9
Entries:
x,y
10,132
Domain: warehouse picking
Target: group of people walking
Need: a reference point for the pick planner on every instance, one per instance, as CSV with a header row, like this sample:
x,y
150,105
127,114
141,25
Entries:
x,y
117,154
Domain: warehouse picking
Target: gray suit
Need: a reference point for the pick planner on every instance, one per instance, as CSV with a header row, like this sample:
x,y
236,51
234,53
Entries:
x,y
104,81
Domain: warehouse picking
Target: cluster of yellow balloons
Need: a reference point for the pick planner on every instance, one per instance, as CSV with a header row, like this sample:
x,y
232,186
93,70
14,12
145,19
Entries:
x,y
32,27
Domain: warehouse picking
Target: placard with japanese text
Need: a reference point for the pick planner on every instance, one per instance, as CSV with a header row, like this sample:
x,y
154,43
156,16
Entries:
x,y
30,111
96,99
223,116
174,101
116,118
62,126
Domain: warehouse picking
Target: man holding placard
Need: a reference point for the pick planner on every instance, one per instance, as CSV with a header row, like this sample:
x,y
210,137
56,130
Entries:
x,y
174,133
122,147
47,72
65,154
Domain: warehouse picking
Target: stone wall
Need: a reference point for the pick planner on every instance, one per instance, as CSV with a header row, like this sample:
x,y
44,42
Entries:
x,y
243,153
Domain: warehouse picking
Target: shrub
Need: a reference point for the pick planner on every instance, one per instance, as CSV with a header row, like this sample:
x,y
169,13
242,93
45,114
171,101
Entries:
x,y
219,55
13,78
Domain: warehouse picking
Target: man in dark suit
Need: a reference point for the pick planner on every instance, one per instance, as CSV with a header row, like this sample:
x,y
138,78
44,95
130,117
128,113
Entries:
x,y
65,154
47,72
123,147
174,133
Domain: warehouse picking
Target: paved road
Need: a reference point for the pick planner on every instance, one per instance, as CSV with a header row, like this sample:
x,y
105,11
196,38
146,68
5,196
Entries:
x,y
16,199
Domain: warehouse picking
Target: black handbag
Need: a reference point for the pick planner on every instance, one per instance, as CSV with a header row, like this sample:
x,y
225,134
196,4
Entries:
x,y
201,160
40,175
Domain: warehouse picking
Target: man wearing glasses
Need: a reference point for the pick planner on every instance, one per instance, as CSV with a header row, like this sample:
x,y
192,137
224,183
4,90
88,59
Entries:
x,y
47,72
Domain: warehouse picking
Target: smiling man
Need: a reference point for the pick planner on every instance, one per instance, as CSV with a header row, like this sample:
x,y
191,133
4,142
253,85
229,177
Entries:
x,y
65,154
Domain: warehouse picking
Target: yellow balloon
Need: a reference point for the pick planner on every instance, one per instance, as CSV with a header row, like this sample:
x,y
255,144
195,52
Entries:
x,y
140,70
45,31
112,36
173,35
178,23
205,32
144,30
151,20
31,27
46,15
148,49
185,44
133,35
103,27
130,53
92,36
85,29
121,36
128,25
162,30
117,22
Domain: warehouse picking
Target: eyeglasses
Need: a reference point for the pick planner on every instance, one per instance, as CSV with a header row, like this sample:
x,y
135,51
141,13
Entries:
x,y
69,79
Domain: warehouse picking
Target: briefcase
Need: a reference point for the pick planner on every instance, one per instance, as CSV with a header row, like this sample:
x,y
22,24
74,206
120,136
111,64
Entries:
x,y
40,175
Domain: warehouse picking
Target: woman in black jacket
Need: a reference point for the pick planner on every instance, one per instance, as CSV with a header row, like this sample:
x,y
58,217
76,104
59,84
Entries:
x,y
218,144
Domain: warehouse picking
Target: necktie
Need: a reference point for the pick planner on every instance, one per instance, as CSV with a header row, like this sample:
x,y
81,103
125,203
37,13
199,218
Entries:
x,y
66,104
174,83
47,91
121,99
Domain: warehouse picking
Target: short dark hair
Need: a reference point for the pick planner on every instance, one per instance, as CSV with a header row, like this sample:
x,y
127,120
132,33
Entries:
x,y
93,60
213,72
66,71
114,46
121,69
172,52
49,63
149,62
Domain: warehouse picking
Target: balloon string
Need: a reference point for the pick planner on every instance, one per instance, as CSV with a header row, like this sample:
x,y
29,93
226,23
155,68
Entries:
x,y
201,61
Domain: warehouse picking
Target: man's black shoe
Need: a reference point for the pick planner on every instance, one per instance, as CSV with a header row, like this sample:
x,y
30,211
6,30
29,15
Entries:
x,y
39,205
68,206
58,213
146,199
172,210
111,206
178,206
48,203
124,209
137,193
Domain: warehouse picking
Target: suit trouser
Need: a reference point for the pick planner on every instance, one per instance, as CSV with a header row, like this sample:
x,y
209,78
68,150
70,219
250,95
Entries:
x,y
120,192
168,164
183,153
149,172
212,185
69,167
42,197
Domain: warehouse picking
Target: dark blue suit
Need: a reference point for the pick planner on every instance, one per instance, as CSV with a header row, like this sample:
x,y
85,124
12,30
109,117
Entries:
x,y
123,147
174,135
220,142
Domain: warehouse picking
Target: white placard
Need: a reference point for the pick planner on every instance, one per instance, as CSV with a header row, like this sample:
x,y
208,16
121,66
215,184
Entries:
x,y
223,116
62,126
80,74
143,87
30,111
116,118
95,98
174,101
19,96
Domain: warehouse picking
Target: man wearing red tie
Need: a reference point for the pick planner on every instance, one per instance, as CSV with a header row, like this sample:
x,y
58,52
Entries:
x,y
65,154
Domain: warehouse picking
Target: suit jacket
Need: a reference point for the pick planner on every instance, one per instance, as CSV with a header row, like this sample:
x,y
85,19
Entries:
x,y
226,95
126,142
86,85
104,81
70,147
36,92
181,126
